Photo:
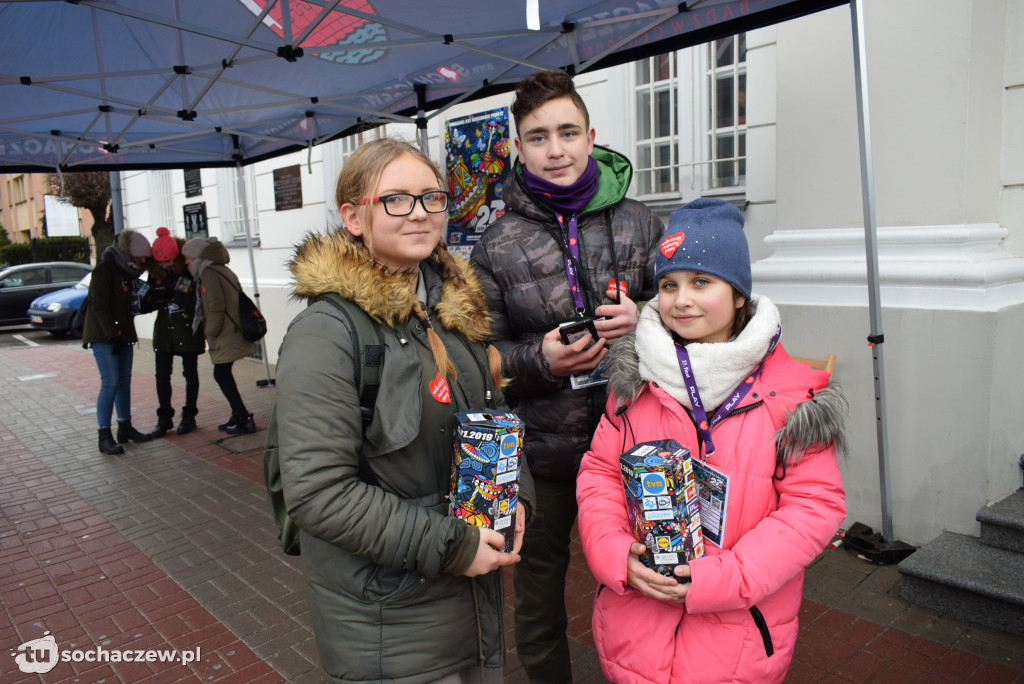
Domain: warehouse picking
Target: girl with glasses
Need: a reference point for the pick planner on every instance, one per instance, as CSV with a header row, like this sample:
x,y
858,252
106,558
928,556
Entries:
x,y
398,590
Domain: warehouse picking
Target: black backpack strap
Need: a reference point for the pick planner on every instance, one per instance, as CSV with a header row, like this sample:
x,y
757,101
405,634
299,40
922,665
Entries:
x,y
368,348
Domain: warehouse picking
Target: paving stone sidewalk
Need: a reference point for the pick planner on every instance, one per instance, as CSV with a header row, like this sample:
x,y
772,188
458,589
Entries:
x,y
170,546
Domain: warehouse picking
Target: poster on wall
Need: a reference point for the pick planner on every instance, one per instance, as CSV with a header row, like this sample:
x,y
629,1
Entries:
x,y
193,183
287,188
195,220
61,216
477,151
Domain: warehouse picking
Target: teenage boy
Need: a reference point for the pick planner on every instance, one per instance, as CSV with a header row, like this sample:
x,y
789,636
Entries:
x,y
570,247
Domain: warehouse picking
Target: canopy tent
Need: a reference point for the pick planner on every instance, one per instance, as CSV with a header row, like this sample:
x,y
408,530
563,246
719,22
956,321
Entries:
x,y
149,84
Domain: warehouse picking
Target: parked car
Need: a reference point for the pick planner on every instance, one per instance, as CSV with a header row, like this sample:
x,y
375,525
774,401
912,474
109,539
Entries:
x,y
54,312
21,284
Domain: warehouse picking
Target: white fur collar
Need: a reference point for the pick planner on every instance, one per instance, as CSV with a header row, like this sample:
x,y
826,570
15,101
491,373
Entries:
x,y
718,367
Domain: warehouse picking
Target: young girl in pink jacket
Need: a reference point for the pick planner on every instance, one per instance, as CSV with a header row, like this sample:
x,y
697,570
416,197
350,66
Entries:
x,y
705,368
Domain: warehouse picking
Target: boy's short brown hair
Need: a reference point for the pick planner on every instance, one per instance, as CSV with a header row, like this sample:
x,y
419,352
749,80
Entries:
x,y
540,88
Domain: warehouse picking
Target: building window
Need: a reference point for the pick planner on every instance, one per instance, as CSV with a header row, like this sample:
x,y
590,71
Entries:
x,y
18,190
238,204
657,126
161,198
690,121
335,154
726,83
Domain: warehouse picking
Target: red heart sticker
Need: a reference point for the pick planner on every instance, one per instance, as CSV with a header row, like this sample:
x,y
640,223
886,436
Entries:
x,y
622,286
439,389
670,244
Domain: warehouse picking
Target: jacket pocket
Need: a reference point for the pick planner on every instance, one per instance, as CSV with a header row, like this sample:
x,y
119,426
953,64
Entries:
x,y
762,627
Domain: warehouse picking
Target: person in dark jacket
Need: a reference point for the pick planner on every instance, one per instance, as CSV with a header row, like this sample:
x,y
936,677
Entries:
x,y
571,246
217,311
172,294
114,299
399,590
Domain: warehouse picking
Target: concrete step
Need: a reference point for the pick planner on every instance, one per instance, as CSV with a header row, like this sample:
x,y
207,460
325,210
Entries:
x,y
960,576
1002,523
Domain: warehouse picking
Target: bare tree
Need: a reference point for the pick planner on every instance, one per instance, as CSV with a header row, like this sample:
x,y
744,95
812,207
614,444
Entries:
x,y
89,190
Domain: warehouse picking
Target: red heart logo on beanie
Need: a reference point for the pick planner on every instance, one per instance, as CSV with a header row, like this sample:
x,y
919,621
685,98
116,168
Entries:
x,y
439,389
670,244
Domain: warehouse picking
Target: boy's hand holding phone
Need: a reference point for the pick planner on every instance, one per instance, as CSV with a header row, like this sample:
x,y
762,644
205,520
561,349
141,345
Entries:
x,y
617,319
582,354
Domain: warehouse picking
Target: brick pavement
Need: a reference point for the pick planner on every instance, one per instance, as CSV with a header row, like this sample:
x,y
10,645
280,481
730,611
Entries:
x,y
171,546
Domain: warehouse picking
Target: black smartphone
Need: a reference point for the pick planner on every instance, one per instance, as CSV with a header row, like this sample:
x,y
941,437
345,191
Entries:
x,y
574,330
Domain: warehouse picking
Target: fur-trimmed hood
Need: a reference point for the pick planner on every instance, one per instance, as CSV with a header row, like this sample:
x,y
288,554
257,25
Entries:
x,y
335,263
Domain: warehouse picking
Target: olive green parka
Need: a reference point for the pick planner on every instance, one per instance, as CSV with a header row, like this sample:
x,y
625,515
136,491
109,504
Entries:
x,y
384,561
218,287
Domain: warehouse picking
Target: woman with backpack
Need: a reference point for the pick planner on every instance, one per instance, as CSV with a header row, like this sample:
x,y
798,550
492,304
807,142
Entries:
x,y
398,589
217,310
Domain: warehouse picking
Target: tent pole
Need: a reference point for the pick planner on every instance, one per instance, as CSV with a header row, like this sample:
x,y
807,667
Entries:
x,y
244,197
876,338
421,117
116,202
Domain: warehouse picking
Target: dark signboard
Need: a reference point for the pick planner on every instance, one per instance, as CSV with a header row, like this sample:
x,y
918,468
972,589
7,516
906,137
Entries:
x,y
287,188
193,183
195,220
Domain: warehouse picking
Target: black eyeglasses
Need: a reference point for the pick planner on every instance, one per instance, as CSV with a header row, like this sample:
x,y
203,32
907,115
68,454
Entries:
x,y
402,203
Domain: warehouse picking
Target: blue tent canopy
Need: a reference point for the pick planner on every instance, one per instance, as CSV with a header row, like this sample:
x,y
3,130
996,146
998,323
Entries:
x,y
149,84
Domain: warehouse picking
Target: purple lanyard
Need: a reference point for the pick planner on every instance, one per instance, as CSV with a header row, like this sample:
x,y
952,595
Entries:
x,y
572,244
699,414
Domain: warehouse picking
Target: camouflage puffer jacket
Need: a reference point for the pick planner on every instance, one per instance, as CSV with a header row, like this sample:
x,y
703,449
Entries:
x,y
519,261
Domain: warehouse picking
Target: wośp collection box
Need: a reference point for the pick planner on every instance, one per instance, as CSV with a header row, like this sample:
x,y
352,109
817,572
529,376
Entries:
x,y
485,470
662,503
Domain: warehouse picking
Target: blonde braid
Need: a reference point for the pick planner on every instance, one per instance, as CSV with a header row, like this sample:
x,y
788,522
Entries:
x,y
494,362
437,348
449,268
454,274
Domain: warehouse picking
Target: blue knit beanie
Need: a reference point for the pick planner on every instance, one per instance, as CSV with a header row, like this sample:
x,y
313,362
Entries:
x,y
706,236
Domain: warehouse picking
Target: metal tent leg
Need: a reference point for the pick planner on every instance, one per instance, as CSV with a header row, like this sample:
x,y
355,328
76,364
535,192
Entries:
x,y
859,536
269,382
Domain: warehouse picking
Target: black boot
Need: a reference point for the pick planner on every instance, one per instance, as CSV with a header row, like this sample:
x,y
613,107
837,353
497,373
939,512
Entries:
x,y
244,426
232,421
164,422
126,432
188,420
107,443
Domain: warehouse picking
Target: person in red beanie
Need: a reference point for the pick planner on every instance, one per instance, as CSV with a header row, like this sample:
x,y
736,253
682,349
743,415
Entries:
x,y
172,294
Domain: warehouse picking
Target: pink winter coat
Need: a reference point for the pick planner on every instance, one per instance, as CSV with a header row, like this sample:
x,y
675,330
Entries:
x,y
774,528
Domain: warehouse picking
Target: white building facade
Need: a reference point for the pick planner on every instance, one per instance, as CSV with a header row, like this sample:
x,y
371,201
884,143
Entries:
x,y
768,120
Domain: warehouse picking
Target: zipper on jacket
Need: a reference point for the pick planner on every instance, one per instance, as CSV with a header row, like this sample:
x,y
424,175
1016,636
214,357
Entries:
x,y
762,627
741,409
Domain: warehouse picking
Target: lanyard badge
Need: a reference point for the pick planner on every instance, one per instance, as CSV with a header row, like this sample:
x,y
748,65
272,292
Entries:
x,y
572,244
699,413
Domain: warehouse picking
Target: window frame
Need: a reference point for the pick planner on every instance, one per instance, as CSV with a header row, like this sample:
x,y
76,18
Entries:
x,y
652,88
232,211
735,71
694,164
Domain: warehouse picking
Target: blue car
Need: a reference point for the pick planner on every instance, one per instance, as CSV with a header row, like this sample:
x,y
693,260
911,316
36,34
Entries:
x,y
54,312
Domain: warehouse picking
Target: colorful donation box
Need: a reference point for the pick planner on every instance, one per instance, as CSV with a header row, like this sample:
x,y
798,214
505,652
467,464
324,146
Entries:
x,y
485,470
663,504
